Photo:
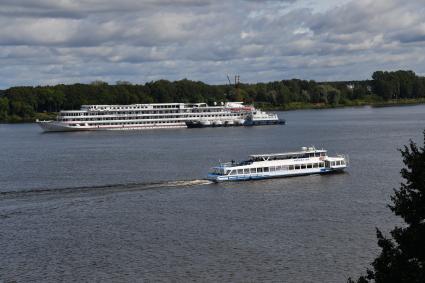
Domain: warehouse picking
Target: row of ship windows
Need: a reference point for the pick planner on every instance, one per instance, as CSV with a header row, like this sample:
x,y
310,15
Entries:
x,y
307,155
134,107
284,168
337,163
127,123
135,112
147,117
276,168
166,106
122,113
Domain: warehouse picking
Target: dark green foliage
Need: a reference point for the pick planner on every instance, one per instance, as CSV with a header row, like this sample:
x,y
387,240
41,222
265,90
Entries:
x,y
334,97
24,102
402,258
4,108
399,84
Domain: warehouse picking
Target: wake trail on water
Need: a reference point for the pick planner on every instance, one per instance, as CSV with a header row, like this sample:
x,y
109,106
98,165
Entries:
x,y
112,187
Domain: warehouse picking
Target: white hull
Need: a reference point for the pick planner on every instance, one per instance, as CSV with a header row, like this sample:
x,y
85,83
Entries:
x,y
53,126
270,175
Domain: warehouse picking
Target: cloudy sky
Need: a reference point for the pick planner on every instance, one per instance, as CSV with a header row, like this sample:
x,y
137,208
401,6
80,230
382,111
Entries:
x,y
67,41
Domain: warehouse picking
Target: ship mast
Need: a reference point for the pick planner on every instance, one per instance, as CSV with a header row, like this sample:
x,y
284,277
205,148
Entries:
x,y
236,84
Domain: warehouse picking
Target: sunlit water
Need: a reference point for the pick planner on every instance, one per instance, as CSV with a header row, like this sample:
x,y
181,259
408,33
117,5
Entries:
x,y
134,206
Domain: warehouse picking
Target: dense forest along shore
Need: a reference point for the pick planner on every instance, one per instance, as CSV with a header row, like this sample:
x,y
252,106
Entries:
x,y
26,104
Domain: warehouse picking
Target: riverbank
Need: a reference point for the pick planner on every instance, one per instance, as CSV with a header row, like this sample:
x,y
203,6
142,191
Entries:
x,y
292,106
40,116
354,103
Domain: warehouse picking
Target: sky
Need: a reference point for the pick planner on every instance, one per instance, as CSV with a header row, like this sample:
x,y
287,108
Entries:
x,y
47,42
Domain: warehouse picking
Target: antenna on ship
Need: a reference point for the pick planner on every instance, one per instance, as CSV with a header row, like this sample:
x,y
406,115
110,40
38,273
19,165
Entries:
x,y
237,83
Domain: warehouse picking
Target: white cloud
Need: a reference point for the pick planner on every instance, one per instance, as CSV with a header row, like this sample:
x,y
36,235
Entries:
x,y
68,41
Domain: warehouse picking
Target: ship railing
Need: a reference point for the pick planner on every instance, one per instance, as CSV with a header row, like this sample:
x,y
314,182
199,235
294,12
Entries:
x,y
227,164
346,158
234,163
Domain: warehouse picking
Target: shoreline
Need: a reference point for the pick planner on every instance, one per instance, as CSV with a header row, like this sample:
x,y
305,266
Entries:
x,y
294,106
301,106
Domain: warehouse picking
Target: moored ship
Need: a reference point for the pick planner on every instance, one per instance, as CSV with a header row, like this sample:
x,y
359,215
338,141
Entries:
x,y
255,117
305,162
155,116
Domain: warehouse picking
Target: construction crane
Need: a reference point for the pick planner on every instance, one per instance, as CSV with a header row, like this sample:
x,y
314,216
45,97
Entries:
x,y
236,84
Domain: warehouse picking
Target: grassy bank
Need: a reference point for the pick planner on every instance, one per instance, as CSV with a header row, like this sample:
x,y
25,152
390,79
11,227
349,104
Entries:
x,y
351,103
39,116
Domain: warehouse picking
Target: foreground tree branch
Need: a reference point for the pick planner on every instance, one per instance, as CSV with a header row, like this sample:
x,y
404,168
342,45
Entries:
x,y
402,258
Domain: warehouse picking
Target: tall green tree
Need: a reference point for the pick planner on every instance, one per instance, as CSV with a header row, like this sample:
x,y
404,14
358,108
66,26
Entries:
x,y
402,257
4,108
283,94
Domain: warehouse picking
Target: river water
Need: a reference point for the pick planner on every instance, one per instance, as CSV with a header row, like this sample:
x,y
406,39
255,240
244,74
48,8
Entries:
x,y
134,205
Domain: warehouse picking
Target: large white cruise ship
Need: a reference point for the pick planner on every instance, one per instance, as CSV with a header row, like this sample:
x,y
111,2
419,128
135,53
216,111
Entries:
x,y
160,115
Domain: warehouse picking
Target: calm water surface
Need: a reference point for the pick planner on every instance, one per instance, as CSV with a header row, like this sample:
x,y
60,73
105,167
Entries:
x,y
105,206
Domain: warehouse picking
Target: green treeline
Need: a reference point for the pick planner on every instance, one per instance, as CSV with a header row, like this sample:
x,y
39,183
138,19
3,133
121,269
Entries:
x,y
28,103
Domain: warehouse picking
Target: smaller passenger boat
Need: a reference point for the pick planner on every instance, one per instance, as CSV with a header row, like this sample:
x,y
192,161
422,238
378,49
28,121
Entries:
x,y
255,118
305,162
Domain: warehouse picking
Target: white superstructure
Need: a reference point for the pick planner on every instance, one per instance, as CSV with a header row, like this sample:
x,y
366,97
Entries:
x,y
307,161
149,116
259,117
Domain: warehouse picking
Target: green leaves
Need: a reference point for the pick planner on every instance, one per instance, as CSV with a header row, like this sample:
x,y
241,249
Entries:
x,y
24,102
409,200
399,84
402,257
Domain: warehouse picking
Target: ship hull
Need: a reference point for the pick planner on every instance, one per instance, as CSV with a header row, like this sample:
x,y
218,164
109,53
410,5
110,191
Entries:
x,y
220,178
53,126
264,122
196,124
